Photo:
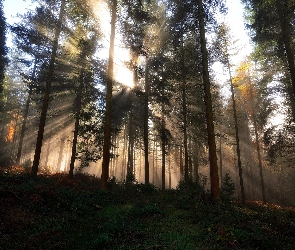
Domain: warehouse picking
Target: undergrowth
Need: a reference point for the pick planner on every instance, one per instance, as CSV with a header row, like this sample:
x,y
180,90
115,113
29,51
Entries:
x,y
55,212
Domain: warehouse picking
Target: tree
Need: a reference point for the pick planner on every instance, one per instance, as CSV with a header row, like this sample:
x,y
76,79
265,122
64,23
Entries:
x,y
146,122
48,90
107,123
249,91
215,190
223,41
272,32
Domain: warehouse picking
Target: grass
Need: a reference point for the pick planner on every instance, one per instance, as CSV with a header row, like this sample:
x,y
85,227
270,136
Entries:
x,y
54,212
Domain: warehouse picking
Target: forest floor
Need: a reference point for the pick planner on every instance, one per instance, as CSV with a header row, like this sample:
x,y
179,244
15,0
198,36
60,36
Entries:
x,y
54,212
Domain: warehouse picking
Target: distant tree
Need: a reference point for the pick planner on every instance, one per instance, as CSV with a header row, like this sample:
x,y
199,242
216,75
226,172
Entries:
x,y
224,43
251,99
28,41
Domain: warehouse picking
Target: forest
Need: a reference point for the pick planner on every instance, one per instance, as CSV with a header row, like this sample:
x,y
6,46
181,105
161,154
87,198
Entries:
x,y
111,111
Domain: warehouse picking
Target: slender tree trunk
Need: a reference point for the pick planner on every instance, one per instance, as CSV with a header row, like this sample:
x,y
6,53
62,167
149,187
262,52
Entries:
x,y
215,190
154,149
146,124
76,129
163,138
116,159
13,144
169,167
23,129
181,163
124,153
134,159
196,163
26,112
156,165
61,152
257,144
184,110
107,122
47,92
220,155
190,159
130,147
47,151
236,134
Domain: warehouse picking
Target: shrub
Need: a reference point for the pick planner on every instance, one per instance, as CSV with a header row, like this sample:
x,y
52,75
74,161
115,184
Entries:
x,y
27,165
228,188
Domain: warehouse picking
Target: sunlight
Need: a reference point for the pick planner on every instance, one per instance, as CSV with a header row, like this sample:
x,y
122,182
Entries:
x,y
122,74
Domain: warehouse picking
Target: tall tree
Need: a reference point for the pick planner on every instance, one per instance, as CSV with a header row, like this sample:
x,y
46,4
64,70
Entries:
x,y
215,190
272,26
107,123
223,41
48,89
146,123
249,95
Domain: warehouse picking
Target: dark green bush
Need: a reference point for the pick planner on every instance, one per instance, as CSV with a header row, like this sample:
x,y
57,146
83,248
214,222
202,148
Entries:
x,y
227,189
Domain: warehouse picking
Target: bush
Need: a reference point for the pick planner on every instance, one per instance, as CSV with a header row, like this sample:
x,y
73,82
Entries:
x,y
27,165
228,188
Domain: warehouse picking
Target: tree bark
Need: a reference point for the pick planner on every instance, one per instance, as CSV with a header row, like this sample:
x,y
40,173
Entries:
x,y
107,122
215,190
130,147
220,155
257,145
184,110
77,119
23,129
181,163
163,138
236,133
47,92
61,152
26,112
146,122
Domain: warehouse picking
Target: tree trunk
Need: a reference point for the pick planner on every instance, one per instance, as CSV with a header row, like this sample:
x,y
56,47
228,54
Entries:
x,y
237,134
61,153
76,129
184,110
181,163
196,162
26,112
257,145
47,92
220,155
107,122
47,151
130,147
124,154
146,124
215,190
163,138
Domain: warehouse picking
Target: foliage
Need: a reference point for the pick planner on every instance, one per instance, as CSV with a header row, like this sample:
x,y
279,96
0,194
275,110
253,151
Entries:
x,y
228,188
57,212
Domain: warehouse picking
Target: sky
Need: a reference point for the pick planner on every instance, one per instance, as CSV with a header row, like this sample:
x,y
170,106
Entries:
x,y
234,20
13,7
234,17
